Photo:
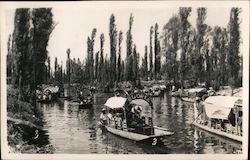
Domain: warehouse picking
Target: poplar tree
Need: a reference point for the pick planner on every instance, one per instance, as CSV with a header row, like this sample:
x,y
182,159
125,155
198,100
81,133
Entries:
x,y
233,60
129,58
113,43
119,69
184,25
151,53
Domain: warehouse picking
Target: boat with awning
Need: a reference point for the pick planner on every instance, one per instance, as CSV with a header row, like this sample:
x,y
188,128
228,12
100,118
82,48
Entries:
x,y
190,95
131,118
220,115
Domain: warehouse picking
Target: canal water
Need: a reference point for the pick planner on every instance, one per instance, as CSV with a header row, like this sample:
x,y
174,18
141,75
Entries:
x,y
74,131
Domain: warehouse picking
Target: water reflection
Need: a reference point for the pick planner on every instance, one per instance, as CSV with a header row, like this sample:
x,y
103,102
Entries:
x,y
76,131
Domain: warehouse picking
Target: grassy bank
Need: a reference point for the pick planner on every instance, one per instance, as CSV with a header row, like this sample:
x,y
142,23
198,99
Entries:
x,y
23,120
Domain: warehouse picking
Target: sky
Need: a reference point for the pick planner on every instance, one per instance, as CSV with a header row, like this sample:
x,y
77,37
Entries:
x,y
74,25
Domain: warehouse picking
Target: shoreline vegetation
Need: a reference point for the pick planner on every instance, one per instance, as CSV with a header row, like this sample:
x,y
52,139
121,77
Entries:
x,y
22,123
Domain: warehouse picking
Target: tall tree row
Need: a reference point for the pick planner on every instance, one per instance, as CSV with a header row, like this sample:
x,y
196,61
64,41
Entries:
x,y
196,55
32,29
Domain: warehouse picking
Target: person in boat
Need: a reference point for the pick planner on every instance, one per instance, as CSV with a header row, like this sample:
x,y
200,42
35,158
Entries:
x,y
110,120
103,118
134,117
198,112
81,96
118,120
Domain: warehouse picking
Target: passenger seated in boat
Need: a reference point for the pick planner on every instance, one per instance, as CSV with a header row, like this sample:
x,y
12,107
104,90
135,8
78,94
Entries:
x,y
80,96
118,120
134,118
110,118
103,118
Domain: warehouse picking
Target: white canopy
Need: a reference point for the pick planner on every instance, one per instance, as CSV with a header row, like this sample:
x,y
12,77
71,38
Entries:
x,y
193,90
140,102
53,89
115,102
219,107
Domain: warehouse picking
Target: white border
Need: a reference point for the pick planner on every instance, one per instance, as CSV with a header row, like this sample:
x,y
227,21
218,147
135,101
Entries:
x,y
128,4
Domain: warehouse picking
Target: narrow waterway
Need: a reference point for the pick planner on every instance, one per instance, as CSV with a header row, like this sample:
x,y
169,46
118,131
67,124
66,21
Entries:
x,y
72,131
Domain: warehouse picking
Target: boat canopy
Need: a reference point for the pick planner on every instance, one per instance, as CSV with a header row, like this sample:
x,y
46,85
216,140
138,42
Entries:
x,y
52,89
219,107
140,102
116,102
194,90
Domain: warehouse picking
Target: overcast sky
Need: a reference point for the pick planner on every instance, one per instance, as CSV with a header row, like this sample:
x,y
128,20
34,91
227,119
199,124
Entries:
x,y
74,25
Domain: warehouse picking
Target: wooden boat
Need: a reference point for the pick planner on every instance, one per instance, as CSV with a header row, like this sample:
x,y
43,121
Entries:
x,y
122,119
49,94
190,95
86,102
221,115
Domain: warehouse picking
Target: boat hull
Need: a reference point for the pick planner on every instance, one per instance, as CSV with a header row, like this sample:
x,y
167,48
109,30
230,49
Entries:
x,y
218,132
152,139
85,106
187,99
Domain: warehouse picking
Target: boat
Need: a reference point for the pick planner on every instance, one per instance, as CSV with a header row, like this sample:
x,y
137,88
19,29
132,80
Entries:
x,y
220,115
48,94
163,88
85,102
156,91
190,95
131,118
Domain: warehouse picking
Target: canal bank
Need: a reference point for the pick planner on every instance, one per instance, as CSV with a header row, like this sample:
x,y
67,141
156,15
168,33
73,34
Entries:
x,y
25,132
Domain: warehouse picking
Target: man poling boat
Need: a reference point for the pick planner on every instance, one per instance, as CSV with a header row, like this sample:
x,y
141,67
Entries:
x,y
131,117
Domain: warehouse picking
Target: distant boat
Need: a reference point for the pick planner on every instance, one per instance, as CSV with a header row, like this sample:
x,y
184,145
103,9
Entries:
x,y
190,95
221,115
122,118
163,88
156,91
86,102
48,94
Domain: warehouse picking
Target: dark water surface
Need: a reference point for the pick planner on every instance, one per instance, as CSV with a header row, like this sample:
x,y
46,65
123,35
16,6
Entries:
x,y
72,131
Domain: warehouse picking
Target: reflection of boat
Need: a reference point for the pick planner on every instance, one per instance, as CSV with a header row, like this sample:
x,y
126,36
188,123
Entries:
x,y
216,140
221,115
191,94
156,91
130,118
48,94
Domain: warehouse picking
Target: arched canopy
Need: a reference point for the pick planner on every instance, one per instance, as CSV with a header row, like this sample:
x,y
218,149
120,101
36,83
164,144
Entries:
x,y
116,102
219,107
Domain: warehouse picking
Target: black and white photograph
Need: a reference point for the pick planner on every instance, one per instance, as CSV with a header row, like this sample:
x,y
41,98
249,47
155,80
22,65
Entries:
x,y
124,80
